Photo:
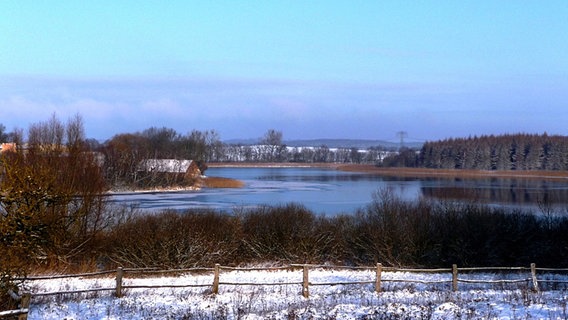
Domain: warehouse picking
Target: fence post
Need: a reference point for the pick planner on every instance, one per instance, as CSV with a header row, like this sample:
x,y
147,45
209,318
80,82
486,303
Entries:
x,y
215,288
119,275
305,283
534,280
378,279
455,277
25,304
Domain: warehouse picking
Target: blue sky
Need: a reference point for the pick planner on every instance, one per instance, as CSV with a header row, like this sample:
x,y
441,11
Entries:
x,y
311,69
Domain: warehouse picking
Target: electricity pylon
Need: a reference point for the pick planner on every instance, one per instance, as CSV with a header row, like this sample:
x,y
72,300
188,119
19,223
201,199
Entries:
x,y
402,135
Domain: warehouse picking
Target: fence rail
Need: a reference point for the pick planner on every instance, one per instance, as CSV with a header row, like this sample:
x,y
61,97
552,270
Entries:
x,y
453,279
22,313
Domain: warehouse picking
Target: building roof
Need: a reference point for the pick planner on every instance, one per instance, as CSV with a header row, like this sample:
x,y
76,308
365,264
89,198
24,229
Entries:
x,y
164,165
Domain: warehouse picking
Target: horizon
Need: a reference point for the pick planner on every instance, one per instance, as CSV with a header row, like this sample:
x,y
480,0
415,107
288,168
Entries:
x,y
317,70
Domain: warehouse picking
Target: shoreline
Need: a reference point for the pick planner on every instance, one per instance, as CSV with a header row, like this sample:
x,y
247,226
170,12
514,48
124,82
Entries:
x,y
221,182
206,182
406,172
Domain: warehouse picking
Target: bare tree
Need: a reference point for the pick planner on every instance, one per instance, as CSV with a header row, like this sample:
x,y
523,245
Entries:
x,y
3,134
75,132
48,135
203,146
214,145
322,154
196,145
123,154
272,145
162,142
16,136
51,204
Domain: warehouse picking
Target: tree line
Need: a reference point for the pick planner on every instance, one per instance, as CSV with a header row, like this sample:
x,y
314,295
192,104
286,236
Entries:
x,y
121,155
504,152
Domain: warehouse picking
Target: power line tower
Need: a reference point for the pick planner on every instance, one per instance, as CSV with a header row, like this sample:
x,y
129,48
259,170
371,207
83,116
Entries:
x,y
401,135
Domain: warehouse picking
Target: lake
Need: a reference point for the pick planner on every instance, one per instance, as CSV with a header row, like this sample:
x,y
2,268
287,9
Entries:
x,y
332,192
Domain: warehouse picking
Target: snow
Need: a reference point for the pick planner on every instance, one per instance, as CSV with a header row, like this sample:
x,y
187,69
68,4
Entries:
x,y
164,165
349,301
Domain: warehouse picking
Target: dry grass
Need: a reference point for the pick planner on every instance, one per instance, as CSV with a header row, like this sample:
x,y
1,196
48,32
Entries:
x,y
458,173
219,182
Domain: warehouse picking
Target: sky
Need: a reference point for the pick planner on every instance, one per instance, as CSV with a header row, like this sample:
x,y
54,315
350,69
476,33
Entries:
x,y
310,69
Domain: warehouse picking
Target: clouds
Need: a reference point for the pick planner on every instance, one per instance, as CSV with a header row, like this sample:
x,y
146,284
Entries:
x,y
239,108
311,69
246,108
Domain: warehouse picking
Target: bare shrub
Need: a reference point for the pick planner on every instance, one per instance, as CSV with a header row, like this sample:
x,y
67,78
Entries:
x,y
288,233
175,240
471,234
390,230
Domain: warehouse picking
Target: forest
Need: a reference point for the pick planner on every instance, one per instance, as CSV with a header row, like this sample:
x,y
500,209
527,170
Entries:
x,y
504,152
507,152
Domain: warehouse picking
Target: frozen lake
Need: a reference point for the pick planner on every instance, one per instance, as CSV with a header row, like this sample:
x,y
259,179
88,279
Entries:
x,y
332,192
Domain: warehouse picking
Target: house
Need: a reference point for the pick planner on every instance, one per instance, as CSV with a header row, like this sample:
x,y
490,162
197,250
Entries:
x,y
191,169
164,165
7,147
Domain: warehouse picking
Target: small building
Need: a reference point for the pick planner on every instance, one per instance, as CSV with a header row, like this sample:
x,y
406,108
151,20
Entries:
x,y
164,165
191,169
8,147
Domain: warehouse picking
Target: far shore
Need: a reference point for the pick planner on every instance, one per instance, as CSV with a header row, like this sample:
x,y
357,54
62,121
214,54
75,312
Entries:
x,y
404,172
222,182
204,182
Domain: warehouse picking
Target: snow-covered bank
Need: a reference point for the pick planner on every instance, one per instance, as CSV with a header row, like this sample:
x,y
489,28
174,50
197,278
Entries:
x,y
398,300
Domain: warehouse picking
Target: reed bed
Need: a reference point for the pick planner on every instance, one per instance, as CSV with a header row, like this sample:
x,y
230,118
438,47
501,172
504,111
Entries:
x,y
219,182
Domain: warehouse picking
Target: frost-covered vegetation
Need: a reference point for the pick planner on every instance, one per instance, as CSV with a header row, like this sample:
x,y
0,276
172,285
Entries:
x,y
358,301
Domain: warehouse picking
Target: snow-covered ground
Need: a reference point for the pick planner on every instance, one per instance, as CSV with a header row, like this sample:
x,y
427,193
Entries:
x,y
352,301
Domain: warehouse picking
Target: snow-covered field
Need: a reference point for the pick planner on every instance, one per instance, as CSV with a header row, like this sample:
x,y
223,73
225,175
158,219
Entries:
x,y
398,300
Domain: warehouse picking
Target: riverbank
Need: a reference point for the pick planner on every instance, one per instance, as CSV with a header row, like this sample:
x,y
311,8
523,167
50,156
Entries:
x,y
406,172
202,182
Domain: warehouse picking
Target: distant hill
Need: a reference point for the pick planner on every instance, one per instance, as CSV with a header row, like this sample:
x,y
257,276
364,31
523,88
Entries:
x,y
331,143
341,143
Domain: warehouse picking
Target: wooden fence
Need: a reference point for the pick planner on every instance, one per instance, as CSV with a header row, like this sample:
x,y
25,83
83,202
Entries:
x,y
22,313
529,276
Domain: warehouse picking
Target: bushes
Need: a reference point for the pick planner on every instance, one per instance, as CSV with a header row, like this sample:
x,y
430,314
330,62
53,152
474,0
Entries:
x,y
170,239
437,234
288,233
173,240
390,230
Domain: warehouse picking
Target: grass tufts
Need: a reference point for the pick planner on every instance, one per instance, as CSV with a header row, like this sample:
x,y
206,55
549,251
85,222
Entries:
x,y
219,182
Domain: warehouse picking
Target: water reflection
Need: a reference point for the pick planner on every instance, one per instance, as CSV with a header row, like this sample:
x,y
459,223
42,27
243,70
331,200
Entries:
x,y
340,177
498,191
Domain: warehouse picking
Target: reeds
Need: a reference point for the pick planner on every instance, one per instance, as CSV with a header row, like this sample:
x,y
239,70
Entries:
x,y
219,182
